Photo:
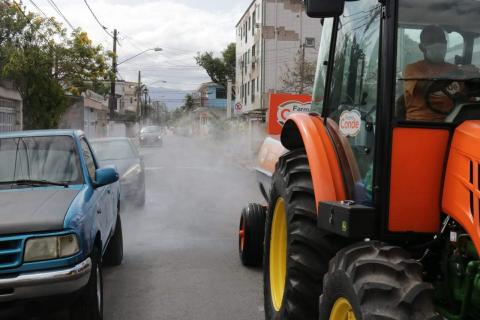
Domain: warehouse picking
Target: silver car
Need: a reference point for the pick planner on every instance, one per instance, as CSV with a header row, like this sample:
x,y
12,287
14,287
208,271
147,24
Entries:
x,y
122,153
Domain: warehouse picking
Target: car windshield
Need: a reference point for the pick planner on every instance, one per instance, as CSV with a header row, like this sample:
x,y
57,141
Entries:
x,y
47,159
150,130
113,150
438,57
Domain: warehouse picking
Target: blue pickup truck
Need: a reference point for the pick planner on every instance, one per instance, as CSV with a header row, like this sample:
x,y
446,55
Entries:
x,y
59,224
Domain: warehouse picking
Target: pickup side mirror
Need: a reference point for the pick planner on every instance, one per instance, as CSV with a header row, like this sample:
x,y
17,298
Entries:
x,y
324,8
105,176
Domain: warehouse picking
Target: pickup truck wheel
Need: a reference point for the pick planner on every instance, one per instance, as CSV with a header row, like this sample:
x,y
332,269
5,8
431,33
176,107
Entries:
x,y
114,254
89,306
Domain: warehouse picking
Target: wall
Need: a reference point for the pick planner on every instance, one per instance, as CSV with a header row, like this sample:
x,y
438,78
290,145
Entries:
x,y
278,41
11,116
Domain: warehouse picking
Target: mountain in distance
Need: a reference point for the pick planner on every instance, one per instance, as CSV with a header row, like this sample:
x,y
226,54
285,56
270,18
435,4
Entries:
x,y
173,98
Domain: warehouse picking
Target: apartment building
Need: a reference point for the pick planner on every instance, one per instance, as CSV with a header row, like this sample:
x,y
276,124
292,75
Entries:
x,y
270,38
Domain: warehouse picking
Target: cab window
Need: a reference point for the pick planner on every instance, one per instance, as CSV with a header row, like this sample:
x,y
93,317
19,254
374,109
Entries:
x,y
438,55
89,161
353,103
321,74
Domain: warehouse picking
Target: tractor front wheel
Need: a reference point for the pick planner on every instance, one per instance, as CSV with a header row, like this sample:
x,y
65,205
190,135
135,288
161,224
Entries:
x,y
296,252
373,280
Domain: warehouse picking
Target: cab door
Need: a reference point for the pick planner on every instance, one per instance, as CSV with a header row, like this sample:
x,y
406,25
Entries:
x,y
99,200
352,100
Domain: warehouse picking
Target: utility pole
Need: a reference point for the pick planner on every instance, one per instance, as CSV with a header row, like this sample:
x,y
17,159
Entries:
x,y
302,71
229,99
139,95
113,98
145,91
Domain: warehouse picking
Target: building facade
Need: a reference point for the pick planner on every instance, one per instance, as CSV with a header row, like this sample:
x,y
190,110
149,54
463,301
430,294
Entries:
x,y
213,95
87,112
271,36
127,97
11,116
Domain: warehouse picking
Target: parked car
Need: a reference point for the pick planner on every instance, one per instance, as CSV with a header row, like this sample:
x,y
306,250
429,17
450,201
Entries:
x,y
59,223
151,136
122,153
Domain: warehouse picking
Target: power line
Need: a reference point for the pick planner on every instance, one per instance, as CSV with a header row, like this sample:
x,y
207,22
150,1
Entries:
x,y
96,18
38,8
56,8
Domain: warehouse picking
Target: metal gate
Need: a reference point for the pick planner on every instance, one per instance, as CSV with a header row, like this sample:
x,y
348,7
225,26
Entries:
x,y
8,114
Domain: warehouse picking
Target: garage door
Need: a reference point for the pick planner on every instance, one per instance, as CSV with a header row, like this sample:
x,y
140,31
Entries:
x,y
8,116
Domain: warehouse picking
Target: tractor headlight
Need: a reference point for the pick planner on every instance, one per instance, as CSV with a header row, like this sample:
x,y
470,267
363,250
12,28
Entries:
x,y
48,248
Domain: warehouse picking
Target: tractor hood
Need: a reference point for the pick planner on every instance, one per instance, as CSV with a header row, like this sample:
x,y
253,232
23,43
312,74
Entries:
x,y
34,210
461,193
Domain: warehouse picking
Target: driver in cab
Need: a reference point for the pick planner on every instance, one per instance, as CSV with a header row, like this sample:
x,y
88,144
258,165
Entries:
x,y
433,44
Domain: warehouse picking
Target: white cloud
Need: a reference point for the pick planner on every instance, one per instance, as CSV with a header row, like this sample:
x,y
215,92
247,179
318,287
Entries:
x,y
181,27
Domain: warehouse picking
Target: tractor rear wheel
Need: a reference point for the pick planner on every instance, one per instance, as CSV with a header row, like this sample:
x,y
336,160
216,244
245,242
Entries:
x,y
296,252
373,280
251,234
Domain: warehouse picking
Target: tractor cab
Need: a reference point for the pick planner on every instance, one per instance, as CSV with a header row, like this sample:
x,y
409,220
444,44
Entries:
x,y
374,208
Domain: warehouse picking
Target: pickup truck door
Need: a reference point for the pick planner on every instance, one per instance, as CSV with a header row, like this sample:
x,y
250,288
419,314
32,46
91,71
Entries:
x,y
101,197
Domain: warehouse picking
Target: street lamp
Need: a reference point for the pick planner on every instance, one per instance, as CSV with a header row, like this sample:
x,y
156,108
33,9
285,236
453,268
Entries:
x,y
138,54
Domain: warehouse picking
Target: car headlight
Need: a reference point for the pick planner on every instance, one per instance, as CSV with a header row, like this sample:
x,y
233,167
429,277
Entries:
x,y
48,248
159,137
136,169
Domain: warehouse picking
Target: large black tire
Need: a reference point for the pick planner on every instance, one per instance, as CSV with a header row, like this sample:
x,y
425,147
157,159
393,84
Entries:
x,y
251,235
89,305
380,282
309,249
114,253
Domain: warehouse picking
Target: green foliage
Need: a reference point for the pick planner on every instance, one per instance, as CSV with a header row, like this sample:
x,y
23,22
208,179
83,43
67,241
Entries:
x,y
219,69
189,103
45,64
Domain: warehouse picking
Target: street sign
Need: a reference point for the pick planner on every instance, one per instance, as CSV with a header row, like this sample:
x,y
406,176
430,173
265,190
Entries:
x,y
238,108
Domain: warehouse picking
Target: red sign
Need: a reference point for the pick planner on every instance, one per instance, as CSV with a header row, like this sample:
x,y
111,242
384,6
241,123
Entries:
x,y
281,105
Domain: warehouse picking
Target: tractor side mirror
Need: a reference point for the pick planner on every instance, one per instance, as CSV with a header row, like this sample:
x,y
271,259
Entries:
x,y
324,8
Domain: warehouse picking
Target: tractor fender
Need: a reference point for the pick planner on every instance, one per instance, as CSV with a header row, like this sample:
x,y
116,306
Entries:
x,y
307,131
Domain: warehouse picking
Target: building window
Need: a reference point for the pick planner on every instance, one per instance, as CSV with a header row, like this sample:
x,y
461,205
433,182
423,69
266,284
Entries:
x,y
221,93
253,51
310,42
131,100
253,90
249,23
254,22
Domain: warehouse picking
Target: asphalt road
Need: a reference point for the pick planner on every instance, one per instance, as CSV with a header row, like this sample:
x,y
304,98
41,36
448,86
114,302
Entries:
x,y
181,258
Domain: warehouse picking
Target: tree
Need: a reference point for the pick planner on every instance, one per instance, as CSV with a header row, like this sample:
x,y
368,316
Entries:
x,y
45,64
189,103
299,77
220,70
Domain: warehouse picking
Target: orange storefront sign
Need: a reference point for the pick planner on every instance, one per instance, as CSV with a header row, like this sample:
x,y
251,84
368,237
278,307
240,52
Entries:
x,y
283,104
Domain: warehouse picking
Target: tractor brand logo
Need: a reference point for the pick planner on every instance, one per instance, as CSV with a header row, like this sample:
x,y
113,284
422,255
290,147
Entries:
x,y
350,123
288,107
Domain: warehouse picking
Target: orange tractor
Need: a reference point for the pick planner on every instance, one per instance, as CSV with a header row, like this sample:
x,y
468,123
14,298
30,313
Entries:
x,y
374,196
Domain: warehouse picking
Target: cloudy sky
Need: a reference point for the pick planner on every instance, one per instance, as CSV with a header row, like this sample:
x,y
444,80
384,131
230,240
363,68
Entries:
x,y
180,27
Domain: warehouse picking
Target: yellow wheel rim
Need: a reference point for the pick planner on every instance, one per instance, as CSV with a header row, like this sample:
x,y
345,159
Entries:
x,y
278,254
342,310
